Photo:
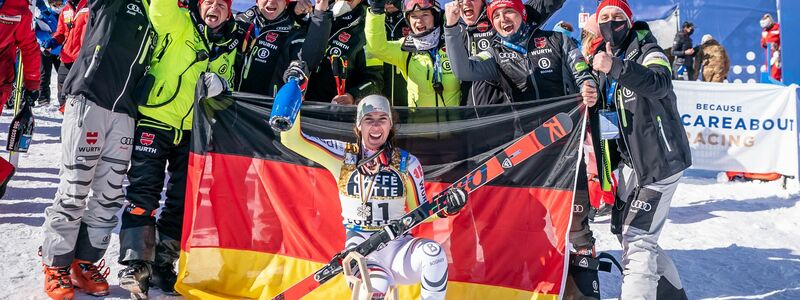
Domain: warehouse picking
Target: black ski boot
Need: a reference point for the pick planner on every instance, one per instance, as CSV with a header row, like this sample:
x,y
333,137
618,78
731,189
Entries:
x,y
136,279
164,278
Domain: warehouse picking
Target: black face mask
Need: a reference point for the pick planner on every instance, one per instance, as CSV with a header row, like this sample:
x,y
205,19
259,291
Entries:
x,y
690,31
614,32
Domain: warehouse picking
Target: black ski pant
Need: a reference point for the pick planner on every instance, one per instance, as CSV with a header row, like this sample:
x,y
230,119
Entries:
x,y
157,147
63,70
49,61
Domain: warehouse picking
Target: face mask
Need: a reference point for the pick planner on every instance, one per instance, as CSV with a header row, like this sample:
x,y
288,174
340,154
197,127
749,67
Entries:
x,y
340,8
765,23
427,40
614,32
690,32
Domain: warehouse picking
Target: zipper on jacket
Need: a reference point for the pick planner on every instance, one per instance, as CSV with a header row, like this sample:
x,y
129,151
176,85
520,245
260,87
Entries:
x,y
623,118
663,135
94,60
143,50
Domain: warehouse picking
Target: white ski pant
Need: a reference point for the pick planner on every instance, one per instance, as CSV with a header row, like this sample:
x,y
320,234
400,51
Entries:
x,y
407,260
96,146
641,215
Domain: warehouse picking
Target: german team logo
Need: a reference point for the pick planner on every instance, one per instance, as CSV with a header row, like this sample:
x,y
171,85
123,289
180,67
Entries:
x,y
271,37
344,37
540,42
147,138
91,137
483,26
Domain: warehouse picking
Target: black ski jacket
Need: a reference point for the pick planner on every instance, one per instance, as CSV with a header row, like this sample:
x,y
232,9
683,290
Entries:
x,y
346,46
479,37
394,85
116,51
683,42
273,45
552,65
653,140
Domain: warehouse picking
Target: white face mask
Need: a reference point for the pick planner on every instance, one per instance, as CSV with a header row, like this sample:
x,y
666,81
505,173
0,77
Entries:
x,y
427,41
340,8
765,23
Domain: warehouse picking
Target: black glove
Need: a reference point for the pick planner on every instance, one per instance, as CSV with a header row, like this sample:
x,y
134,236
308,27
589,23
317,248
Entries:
x,y
456,199
297,69
377,6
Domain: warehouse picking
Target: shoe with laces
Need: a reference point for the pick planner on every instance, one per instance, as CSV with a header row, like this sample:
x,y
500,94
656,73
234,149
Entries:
x,y
136,278
57,283
90,278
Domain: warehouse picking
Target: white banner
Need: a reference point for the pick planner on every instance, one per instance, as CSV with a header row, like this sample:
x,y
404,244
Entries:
x,y
740,127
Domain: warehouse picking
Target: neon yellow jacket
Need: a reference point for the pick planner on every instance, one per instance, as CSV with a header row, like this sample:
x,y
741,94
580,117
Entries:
x,y
176,64
417,68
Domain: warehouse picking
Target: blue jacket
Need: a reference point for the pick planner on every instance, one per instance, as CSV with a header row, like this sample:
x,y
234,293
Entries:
x,y
46,21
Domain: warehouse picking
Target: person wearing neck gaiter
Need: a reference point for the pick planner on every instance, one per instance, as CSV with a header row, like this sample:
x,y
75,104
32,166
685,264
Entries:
x,y
649,149
529,63
419,56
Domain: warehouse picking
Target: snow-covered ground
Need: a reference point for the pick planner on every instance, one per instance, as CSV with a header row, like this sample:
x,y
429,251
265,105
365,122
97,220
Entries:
x,y
729,240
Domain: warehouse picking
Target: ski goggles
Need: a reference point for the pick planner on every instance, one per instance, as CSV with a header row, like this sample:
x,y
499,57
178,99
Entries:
x,y
412,5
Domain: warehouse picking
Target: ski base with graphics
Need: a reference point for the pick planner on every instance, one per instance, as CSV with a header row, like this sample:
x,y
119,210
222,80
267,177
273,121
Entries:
x,y
523,148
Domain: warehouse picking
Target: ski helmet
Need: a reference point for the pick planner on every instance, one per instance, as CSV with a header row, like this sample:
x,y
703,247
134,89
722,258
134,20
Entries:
x,y
432,5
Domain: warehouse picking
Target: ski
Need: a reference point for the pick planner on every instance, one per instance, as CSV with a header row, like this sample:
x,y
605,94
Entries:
x,y
13,156
523,148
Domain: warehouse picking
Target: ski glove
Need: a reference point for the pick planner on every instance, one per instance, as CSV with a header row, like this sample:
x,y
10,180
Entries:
x,y
456,199
297,69
212,85
377,6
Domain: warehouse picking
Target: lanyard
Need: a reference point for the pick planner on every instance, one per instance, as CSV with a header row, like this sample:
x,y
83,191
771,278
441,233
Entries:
x,y
611,90
514,47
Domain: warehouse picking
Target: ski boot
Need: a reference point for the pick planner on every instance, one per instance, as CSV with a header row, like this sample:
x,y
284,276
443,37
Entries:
x,y
57,283
135,278
164,278
90,278
582,277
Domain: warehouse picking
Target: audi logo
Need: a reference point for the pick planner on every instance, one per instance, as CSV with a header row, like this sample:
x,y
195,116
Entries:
x,y
639,204
577,208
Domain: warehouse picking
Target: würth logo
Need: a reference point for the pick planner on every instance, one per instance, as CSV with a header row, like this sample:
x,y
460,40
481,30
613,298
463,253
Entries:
x,y
147,138
91,137
344,37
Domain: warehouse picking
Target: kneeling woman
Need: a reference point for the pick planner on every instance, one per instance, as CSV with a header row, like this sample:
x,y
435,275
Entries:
x,y
392,182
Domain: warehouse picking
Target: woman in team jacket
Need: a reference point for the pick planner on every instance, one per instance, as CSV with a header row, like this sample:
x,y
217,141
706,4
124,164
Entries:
x,y
420,56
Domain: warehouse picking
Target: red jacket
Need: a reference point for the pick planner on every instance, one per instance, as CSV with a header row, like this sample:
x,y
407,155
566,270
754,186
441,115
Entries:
x,y
16,32
71,26
771,35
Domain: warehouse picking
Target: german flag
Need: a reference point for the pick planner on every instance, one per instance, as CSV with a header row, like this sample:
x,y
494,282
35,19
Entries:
x,y
260,218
